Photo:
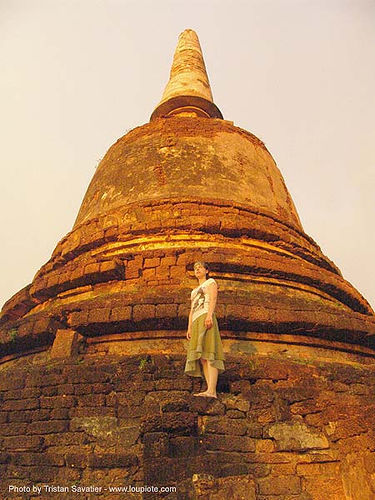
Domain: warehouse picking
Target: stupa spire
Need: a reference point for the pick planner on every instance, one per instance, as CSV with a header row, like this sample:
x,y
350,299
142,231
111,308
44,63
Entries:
x,y
188,91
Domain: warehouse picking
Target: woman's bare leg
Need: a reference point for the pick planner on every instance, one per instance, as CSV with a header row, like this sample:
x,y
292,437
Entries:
x,y
211,375
205,371
204,364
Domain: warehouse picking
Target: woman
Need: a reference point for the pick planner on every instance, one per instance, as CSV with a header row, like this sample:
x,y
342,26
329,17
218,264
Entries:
x,y
203,332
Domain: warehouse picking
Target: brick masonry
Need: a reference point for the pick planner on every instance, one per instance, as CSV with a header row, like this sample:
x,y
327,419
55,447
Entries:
x,y
169,193
280,429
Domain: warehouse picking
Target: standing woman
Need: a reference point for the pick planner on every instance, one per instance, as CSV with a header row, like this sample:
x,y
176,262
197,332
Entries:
x,y
205,350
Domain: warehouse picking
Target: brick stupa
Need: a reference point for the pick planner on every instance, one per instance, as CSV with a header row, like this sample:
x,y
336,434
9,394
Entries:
x,y
92,388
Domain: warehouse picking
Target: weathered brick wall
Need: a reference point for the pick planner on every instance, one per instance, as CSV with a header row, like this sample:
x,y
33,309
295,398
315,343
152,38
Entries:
x,y
125,269
166,194
281,428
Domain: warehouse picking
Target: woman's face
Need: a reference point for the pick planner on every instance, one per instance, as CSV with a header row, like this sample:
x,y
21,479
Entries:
x,y
200,271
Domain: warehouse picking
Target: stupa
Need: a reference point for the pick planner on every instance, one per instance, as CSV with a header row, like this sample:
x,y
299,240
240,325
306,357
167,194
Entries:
x,y
93,349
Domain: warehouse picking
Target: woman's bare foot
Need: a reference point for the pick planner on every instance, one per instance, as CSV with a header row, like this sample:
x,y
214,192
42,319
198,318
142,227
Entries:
x,y
200,394
209,395
206,394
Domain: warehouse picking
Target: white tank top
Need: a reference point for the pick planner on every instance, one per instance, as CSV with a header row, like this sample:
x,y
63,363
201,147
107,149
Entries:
x,y
200,298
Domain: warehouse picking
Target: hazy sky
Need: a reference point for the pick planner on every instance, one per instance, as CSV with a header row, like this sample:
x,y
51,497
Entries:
x,y
78,74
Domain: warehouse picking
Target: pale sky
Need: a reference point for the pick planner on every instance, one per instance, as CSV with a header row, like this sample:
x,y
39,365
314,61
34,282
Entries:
x,y
78,74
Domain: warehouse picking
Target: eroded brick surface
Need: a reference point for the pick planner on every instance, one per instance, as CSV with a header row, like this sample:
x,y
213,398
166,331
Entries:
x,y
134,420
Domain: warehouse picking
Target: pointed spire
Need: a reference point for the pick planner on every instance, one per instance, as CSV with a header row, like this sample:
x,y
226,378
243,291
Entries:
x,y
188,91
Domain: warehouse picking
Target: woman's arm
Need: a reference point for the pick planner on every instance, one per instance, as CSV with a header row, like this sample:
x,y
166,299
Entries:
x,y
212,293
188,333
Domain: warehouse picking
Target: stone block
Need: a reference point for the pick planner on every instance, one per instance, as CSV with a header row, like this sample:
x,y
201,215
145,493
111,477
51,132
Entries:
x,y
369,462
54,378
92,268
57,401
156,444
99,315
297,394
292,436
206,406
183,446
59,414
4,418
235,414
283,469
319,469
5,458
92,412
84,374
65,389
162,273
11,383
143,312
14,429
236,402
229,443
282,485
221,425
14,394
22,404
325,488
67,442
149,274
78,318
151,262
169,260
166,311
28,393
267,415
237,487
177,405
134,398
128,433
133,268
65,344
254,430
23,443
356,443
348,427
259,397
41,414
79,460
49,390
180,423
48,427
18,416
91,400
111,269
177,272
183,384
101,388
36,459
112,460
41,473
265,445
309,406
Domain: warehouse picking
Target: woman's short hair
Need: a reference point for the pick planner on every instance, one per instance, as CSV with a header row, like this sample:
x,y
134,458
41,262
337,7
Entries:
x,y
203,264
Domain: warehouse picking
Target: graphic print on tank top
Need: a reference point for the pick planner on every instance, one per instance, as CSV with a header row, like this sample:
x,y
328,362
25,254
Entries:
x,y
201,298
198,302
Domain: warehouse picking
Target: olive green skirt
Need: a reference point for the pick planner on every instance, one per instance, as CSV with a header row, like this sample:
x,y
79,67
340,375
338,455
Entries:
x,y
205,344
